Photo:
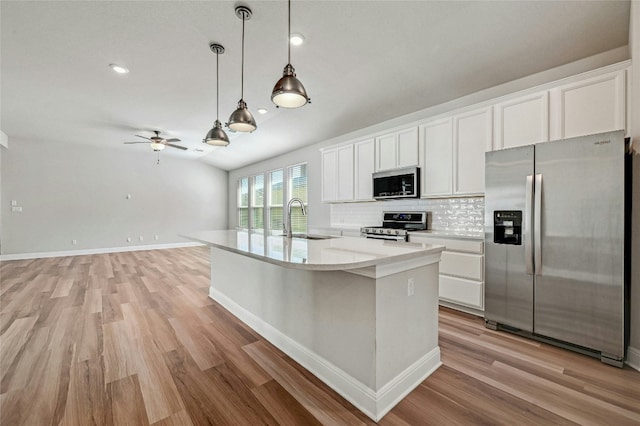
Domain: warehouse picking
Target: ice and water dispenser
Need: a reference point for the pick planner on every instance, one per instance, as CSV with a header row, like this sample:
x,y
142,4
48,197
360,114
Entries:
x,y
507,227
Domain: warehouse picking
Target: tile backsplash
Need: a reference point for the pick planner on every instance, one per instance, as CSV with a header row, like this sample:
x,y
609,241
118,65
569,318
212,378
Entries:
x,y
448,214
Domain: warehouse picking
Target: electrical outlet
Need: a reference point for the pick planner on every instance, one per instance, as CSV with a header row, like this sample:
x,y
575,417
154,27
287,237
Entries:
x,y
411,287
141,238
128,239
156,238
74,242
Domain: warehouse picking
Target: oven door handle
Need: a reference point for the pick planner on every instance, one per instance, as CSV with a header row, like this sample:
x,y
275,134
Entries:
x,y
385,237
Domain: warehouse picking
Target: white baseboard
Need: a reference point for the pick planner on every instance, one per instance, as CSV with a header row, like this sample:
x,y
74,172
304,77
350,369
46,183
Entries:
x,y
22,256
374,404
633,358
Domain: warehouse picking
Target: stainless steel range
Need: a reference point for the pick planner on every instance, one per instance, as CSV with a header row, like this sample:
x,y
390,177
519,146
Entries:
x,y
397,225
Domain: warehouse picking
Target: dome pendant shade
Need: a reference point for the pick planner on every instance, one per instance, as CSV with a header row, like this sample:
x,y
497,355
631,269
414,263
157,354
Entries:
x,y
289,91
241,119
216,136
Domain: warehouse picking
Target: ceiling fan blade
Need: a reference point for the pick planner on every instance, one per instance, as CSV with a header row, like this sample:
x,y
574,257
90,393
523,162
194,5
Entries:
x,y
172,140
135,142
143,137
184,148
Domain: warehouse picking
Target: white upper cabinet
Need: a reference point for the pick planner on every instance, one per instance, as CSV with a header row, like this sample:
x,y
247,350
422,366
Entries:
x,y
329,175
589,106
397,149
522,121
472,137
436,158
345,173
364,167
337,174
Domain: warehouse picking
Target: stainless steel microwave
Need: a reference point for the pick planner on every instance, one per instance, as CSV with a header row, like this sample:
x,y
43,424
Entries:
x,y
397,183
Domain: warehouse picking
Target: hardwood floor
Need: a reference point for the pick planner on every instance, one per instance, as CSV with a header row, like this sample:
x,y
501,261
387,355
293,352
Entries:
x,y
133,339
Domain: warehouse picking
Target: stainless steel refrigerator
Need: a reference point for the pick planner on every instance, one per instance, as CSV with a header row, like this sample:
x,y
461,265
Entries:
x,y
556,216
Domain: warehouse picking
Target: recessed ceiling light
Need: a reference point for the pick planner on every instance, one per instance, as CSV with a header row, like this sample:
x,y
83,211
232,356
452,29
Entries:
x,y
296,39
119,68
262,110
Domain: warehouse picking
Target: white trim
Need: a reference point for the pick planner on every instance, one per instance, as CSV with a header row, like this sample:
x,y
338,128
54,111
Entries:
x,y
374,404
633,358
22,256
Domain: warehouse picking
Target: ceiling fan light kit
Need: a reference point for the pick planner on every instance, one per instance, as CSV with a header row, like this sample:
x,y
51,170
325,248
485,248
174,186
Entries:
x,y
289,92
158,143
157,146
216,136
241,119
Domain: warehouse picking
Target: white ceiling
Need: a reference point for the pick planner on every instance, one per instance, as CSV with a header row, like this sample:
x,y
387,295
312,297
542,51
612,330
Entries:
x,y
363,62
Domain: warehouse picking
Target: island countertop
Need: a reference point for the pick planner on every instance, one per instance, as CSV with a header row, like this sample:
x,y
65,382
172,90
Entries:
x,y
339,253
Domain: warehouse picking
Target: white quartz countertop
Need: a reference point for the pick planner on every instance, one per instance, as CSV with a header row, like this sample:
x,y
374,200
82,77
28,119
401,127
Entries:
x,y
331,254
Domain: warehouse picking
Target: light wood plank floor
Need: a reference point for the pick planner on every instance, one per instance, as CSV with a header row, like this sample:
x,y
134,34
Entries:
x,y
133,339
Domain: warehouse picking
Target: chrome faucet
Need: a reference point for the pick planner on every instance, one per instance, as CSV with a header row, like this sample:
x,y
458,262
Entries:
x,y
287,230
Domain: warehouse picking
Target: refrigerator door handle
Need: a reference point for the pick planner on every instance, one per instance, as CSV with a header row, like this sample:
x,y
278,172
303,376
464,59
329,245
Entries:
x,y
528,212
537,225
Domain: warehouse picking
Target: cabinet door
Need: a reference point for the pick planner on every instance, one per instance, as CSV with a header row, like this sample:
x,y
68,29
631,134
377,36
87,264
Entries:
x,y
472,138
329,175
522,121
594,105
364,166
436,153
345,173
386,155
407,147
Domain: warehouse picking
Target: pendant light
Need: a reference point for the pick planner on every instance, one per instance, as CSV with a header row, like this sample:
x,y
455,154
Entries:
x,y
241,119
216,136
289,91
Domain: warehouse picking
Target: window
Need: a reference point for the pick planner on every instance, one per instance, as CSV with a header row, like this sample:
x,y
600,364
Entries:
x,y
297,182
257,203
243,203
275,200
262,199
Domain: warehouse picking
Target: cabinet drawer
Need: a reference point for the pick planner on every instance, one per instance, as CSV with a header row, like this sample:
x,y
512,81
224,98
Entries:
x,y
462,265
461,291
471,246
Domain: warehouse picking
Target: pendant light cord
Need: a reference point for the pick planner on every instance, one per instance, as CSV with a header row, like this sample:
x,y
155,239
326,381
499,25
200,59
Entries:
x,y
217,85
242,66
289,36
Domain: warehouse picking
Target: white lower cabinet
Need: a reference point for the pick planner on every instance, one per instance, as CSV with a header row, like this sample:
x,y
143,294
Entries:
x,y
461,280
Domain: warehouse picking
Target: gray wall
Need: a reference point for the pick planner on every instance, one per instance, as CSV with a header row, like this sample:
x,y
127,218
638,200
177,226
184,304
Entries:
x,y
72,192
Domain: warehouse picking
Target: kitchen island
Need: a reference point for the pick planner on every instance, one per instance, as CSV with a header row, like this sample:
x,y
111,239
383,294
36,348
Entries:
x,y
360,314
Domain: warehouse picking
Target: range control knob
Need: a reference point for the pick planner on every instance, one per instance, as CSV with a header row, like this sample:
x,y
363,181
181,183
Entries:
x,y
397,232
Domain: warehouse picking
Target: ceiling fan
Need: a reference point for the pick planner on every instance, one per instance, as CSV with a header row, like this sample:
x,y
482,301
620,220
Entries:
x,y
158,143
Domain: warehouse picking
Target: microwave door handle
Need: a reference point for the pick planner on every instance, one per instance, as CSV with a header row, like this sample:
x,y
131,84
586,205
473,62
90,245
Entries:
x,y
528,212
537,225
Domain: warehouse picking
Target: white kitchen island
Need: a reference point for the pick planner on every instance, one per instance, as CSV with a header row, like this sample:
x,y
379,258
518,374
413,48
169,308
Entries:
x,y
360,314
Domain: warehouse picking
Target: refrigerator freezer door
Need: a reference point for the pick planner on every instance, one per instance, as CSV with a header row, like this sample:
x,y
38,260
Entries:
x,y
579,285
508,286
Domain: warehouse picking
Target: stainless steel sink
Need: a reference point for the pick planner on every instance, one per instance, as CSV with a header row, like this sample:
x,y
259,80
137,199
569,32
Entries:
x,y
312,237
